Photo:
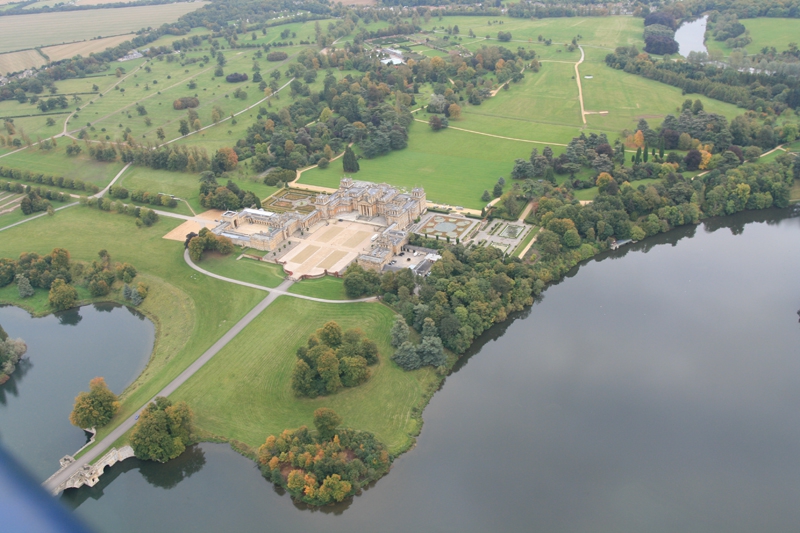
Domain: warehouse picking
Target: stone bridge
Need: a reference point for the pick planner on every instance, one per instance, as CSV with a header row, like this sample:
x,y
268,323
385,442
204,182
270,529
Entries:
x,y
88,474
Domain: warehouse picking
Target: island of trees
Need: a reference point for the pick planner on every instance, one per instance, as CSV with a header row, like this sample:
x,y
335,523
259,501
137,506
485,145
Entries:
x,y
323,466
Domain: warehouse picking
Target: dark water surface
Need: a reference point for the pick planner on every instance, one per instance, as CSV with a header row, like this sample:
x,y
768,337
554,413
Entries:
x,y
654,390
690,36
65,351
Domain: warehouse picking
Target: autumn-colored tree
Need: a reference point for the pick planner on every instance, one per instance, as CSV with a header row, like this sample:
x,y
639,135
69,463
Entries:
x,y
454,110
62,296
95,408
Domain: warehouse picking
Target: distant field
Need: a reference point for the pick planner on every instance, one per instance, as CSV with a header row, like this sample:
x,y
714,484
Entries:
x,y
66,51
17,61
42,29
56,163
777,32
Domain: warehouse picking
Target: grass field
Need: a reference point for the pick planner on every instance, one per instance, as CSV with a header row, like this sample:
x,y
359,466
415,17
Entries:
x,y
28,31
56,163
18,61
777,32
181,184
244,393
191,311
454,167
66,51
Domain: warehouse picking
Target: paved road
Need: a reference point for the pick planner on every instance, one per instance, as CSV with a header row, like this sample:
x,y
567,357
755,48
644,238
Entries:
x,y
280,290
119,431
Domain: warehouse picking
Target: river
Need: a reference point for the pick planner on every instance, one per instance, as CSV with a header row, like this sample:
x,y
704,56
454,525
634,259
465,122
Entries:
x,y
655,389
691,36
65,351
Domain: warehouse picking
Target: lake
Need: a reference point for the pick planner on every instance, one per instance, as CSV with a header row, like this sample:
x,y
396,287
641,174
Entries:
x,y
655,389
691,36
65,351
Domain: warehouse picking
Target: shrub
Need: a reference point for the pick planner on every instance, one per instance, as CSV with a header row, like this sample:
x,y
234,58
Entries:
x,y
277,56
236,77
185,102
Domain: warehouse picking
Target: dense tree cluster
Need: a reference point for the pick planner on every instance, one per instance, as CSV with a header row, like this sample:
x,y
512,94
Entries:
x,y
727,28
177,158
322,470
574,232
227,197
332,359
11,351
163,430
96,408
207,240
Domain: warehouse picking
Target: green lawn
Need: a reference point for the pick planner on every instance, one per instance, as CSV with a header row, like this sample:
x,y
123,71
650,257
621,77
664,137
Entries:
x,y
765,31
244,269
628,98
454,167
191,311
244,393
329,288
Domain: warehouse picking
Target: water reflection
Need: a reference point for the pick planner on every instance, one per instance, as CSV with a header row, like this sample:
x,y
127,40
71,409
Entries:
x,y
65,351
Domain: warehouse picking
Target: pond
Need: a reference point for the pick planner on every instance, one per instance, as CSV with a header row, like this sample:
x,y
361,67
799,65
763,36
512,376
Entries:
x,y
653,390
691,36
65,351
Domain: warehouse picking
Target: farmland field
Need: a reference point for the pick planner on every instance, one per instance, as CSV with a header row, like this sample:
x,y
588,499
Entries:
x,y
18,61
65,51
777,32
27,31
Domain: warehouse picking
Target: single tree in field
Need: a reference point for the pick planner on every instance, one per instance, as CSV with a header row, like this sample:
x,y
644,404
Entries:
x,y
486,196
326,420
24,286
95,408
349,161
184,127
160,134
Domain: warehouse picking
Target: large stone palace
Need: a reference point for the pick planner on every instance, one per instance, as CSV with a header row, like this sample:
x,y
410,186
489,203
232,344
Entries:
x,y
265,230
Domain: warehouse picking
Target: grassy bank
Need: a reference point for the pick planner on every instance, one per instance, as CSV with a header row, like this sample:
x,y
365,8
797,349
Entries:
x,y
244,393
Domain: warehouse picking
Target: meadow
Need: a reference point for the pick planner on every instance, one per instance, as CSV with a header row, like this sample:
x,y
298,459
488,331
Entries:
x,y
765,32
244,393
27,31
56,163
